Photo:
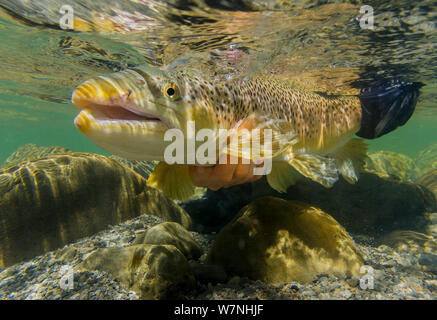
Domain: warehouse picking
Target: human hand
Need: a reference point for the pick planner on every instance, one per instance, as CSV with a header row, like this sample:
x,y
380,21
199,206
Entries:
x,y
224,175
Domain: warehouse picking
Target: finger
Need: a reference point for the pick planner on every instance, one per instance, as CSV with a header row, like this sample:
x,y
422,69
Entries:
x,y
201,176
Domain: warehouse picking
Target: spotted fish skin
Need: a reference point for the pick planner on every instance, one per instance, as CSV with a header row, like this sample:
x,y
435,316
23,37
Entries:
x,y
319,121
311,131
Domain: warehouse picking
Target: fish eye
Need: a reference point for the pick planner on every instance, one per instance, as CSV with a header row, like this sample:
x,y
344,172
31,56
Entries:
x,y
171,91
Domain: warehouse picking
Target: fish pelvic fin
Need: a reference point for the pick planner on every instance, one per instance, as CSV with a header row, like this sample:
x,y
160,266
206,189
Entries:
x,y
174,180
387,106
351,158
282,176
318,168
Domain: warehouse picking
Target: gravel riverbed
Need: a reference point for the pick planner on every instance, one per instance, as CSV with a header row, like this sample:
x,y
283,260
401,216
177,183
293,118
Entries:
x,y
397,274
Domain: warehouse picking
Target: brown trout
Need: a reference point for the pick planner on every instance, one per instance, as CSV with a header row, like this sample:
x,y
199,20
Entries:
x,y
128,114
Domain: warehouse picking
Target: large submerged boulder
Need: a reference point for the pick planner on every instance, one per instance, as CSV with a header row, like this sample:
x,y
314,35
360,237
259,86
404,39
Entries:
x,y
171,233
32,151
152,271
143,168
373,205
410,240
49,202
392,164
276,240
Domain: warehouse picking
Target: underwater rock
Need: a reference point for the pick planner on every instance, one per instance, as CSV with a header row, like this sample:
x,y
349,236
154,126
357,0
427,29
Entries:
x,y
152,271
143,168
426,160
275,240
392,164
371,206
216,208
208,273
429,181
49,202
429,261
31,152
432,226
172,233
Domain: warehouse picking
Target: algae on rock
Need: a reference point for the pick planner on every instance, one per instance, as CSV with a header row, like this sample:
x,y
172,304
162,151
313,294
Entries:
x,y
49,202
152,271
426,160
392,164
32,151
429,181
276,240
172,233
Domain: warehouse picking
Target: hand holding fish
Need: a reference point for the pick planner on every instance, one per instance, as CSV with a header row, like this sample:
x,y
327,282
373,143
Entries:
x,y
223,175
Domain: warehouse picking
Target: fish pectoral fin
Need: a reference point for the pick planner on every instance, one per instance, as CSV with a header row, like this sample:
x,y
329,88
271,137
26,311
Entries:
x,y
282,176
259,137
351,158
320,169
174,180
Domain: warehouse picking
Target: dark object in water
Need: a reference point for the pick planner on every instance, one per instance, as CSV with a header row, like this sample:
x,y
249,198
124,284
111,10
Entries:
x,y
374,205
387,106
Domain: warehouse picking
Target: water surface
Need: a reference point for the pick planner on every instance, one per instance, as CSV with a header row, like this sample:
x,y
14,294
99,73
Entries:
x,y
318,44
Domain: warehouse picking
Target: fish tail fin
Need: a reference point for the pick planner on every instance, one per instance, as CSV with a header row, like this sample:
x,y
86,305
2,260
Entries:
x,y
174,180
387,106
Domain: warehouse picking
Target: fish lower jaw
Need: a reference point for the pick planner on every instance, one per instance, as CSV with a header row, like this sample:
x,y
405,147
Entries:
x,y
86,122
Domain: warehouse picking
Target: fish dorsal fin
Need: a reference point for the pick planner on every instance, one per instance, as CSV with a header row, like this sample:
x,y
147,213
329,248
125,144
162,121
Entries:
x,y
350,159
282,176
320,169
250,138
174,180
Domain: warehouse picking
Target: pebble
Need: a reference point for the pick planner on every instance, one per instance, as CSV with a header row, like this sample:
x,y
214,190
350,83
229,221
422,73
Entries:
x,y
431,285
397,275
234,281
428,260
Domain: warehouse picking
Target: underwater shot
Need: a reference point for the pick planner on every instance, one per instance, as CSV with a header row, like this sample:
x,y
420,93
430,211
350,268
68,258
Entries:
x,y
193,150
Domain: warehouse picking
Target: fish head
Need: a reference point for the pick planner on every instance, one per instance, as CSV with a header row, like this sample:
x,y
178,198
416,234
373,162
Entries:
x,y
128,113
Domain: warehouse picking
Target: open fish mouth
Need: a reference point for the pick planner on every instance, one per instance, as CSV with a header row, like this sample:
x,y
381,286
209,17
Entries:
x,y
112,119
110,110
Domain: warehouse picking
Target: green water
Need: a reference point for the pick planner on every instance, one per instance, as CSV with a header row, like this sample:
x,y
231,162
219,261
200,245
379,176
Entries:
x,y
41,64
56,129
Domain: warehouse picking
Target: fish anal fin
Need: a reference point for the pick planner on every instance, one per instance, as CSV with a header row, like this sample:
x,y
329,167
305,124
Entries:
x,y
282,176
174,180
351,158
319,169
